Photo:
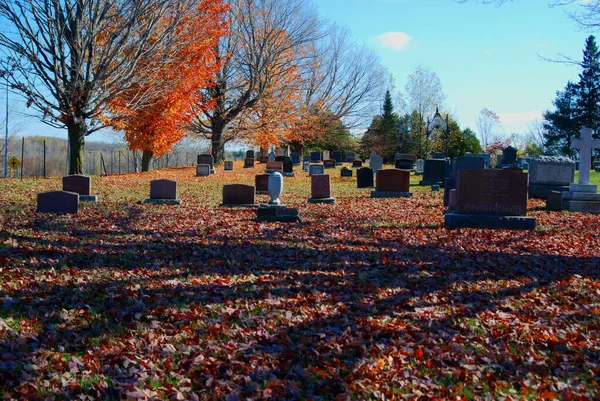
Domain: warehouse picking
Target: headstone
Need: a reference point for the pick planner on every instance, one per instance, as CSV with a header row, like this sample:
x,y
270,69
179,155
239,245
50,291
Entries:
x,y
316,169
433,172
487,159
81,185
392,183
238,195
58,202
202,170
337,156
228,165
357,163
321,189
296,158
248,163
271,156
349,157
263,159
346,172
583,197
305,166
438,155
376,163
274,166
550,173
364,177
329,163
207,159
420,166
491,199
250,154
288,168
275,188
397,156
279,152
315,157
306,159
404,164
460,163
163,192
282,158
326,155
409,156
509,156
261,183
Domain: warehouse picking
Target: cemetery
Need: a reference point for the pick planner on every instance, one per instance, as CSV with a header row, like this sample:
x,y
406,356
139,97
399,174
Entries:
x,y
215,200
279,279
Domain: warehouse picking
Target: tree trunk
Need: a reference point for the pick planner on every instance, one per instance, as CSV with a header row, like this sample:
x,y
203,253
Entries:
x,y
297,147
216,141
146,159
76,129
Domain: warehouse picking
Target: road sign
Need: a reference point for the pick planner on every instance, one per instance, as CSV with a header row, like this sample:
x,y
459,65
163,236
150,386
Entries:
x,y
13,162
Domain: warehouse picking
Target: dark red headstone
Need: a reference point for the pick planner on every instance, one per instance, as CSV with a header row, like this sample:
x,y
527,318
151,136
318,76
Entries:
x,y
393,180
320,186
261,182
492,192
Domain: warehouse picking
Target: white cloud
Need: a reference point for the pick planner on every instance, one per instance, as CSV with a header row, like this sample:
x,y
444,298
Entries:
x,y
516,118
394,40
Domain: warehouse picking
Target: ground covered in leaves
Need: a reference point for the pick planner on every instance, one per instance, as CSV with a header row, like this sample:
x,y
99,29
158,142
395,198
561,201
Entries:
x,y
366,299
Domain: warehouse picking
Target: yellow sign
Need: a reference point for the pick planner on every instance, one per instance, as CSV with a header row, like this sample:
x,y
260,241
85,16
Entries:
x,y
13,162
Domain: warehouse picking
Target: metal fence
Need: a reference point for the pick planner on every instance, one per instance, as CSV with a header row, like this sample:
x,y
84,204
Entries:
x,y
49,158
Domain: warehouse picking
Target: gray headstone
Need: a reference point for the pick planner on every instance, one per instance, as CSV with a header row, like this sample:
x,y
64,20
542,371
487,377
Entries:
x,y
163,189
228,165
376,163
202,170
207,159
80,184
316,169
58,202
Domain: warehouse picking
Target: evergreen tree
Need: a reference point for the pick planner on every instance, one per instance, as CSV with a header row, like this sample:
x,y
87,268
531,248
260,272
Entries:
x,y
563,124
588,87
382,134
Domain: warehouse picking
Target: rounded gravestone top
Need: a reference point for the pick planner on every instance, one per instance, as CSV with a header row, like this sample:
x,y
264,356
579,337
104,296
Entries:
x,y
554,159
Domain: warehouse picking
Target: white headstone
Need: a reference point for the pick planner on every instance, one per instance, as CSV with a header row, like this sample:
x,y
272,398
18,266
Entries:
x,y
326,155
275,188
420,166
585,145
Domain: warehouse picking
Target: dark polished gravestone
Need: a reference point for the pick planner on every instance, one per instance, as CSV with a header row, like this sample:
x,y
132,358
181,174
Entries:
x,y
263,159
62,202
81,185
248,163
337,156
320,189
295,156
288,168
274,166
228,165
349,157
315,157
392,183
404,164
207,159
329,163
495,199
163,192
433,172
250,154
364,177
357,163
239,195
261,183
346,172
509,156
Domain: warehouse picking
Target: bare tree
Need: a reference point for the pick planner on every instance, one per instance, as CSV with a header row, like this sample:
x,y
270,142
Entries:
x,y
424,94
256,52
69,57
588,16
487,121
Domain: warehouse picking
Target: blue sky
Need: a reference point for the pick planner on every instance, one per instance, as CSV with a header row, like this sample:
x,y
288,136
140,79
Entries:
x,y
485,56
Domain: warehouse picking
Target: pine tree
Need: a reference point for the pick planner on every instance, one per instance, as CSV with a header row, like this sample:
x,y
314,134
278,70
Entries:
x,y
588,87
563,124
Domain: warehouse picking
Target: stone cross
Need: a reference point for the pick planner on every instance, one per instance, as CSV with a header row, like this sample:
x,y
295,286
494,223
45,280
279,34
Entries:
x,y
585,145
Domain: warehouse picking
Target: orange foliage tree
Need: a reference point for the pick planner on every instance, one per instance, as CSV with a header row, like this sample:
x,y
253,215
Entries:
x,y
176,79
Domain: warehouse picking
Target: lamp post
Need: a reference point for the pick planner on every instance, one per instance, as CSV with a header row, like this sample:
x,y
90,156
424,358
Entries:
x,y
437,122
